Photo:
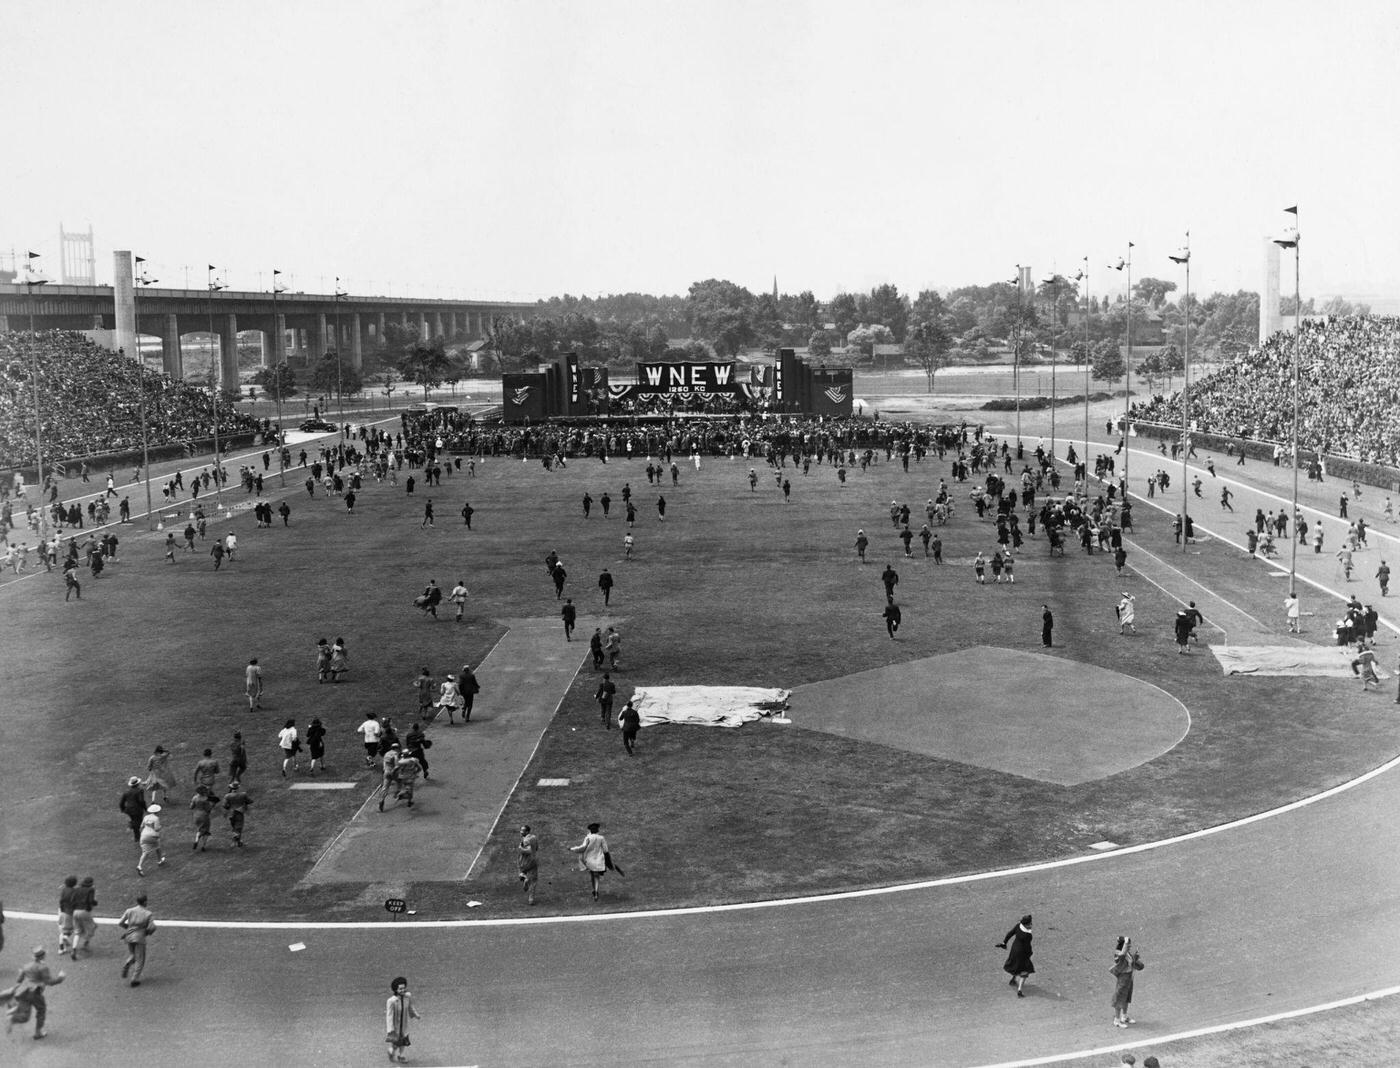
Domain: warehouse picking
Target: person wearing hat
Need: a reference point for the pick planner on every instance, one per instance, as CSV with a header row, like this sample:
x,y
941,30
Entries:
x,y
390,769
594,850
33,978
150,839
1018,958
1127,610
133,805
236,803
450,699
137,925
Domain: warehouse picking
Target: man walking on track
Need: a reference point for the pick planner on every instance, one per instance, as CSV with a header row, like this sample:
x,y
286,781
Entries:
x,y
137,925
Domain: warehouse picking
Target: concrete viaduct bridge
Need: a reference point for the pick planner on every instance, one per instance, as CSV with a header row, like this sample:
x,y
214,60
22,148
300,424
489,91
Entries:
x,y
313,323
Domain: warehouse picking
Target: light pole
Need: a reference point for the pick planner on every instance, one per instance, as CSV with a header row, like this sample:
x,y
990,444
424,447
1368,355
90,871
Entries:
x,y
30,281
1294,241
1183,257
339,391
139,281
278,366
216,374
1128,365
1053,280
1019,332
1082,275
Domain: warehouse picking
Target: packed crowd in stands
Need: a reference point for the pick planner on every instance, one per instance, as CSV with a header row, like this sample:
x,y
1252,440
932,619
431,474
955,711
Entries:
x,y
1349,386
90,401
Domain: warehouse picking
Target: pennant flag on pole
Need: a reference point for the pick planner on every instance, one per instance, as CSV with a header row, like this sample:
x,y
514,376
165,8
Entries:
x,y
140,259
34,255
1293,210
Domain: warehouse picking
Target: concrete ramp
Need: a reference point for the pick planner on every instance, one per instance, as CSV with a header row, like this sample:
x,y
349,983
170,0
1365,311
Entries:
x,y
473,768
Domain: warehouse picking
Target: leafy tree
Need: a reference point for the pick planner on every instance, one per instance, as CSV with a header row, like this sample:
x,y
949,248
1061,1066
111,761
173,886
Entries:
x,y
1340,307
928,344
802,311
657,341
721,313
426,364
867,335
1107,363
336,379
1153,290
929,307
387,381
819,345
278,381
767,322
887,307
1287,304
399,336
844,312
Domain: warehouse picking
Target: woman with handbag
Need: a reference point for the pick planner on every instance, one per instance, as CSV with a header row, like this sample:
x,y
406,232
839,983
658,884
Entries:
x,y
397,1012
594,850
1018,958
1125,962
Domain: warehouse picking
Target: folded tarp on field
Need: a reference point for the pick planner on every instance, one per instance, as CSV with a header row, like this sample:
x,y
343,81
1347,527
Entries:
x,y
1328,661
707,706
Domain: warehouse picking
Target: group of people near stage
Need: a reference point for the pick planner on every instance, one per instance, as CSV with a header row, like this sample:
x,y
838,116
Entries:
x,y
1347,391
90,399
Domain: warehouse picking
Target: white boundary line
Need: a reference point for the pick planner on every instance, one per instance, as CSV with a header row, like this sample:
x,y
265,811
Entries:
x,y
1180,1036
748,906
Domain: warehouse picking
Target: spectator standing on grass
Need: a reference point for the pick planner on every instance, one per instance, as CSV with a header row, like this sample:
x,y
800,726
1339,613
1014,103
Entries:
x,y
84,901
397,1012
468,687
559,575
569,614
660,510
72,587
612,645
1125,962
216,551
605,583
595,646
862,542
1047,625
890,578
1290,610
630,720
316,744
1017,943
137,925
65,912
1127,613
206,770
323,660
132,805
627,543
30,985
202,805
289,741
237,757
159,778
594,850
458,596
230,545
253,684
424,685
150,839
236,803
893,618
340,659
604,694
529,862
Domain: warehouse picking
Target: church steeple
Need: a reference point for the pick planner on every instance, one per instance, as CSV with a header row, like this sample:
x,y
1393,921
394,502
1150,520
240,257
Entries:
x,y
775,287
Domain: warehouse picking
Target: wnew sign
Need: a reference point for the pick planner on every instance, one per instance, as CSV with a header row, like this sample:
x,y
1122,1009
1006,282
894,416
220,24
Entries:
x,y
685,378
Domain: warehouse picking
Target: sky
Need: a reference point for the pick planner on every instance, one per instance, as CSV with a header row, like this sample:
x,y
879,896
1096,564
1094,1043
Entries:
x,y
520,150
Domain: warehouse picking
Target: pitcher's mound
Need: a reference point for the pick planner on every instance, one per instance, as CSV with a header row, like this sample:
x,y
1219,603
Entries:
x,y
1026,714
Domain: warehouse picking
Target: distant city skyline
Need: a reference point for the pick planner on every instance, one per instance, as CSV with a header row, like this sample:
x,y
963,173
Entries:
x,y
517,151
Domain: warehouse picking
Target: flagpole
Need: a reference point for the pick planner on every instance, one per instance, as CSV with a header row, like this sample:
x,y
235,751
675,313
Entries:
x,y
1295,243
1184,257
30,282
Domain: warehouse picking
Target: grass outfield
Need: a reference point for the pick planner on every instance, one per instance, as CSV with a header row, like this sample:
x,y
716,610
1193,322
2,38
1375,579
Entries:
x,y
734,587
